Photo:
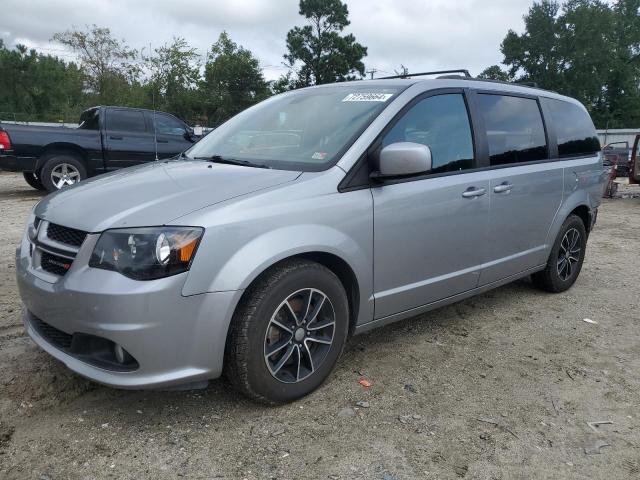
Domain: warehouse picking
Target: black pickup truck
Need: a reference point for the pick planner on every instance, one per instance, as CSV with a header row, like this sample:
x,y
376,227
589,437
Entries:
x,y
107,138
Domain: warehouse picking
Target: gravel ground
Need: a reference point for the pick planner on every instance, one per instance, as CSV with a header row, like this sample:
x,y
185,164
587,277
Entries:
x,y
500,386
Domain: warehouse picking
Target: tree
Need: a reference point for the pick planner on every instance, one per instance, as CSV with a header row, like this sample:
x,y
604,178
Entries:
x,y
587,49
317,52
232,81
108,63
494,72
175,74
34,86
536,55
622,94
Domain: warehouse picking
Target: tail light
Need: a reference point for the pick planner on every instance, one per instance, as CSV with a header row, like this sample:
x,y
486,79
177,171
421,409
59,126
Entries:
x,y
5,141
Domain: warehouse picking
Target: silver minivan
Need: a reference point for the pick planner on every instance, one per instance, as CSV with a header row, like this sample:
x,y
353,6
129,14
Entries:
x,y
314,215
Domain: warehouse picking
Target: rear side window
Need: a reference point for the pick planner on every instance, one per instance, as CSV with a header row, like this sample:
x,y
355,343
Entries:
x,y
89,120
574,129
126,120
441,123
515,131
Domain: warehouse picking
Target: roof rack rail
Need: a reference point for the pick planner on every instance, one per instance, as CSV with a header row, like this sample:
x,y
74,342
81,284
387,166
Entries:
x,y
422,74
527,84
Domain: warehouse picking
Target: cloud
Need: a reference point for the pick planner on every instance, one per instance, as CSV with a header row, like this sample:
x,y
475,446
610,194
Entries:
x,y
420,34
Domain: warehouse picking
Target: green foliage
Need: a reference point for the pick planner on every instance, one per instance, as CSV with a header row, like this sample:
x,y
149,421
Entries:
x,y
587,49
494,72
232,81
108,63
38,87
171,78
174,77
317,52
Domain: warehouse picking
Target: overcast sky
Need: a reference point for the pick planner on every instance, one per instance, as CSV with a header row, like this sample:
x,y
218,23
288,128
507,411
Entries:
x,y
420,34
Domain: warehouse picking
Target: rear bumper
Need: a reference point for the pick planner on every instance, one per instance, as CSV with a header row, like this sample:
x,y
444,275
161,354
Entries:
x,y
12,163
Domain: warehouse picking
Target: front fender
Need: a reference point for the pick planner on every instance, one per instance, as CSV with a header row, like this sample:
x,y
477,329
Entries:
x,y
248,235
262,252
266,250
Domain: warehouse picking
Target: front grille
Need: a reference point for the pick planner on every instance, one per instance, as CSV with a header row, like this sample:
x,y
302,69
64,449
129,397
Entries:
x,y
54,264
70,236
51,334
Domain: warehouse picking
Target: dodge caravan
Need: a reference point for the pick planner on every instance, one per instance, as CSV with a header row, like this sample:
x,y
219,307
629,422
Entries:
x,y
316,214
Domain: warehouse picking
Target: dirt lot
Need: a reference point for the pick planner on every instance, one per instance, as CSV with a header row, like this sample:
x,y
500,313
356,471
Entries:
x,y
500,386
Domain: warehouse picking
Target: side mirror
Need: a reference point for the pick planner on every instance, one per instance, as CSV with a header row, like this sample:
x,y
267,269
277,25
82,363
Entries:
x,y
403,159
189,134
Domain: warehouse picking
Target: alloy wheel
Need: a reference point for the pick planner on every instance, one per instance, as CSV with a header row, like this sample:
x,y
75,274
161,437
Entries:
x,y
299,335
569,253
64,174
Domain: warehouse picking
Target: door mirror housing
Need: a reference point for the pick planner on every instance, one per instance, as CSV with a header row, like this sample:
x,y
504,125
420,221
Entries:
x,y
403,159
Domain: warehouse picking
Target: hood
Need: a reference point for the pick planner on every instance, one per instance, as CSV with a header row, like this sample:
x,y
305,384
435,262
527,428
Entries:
x,y
153,194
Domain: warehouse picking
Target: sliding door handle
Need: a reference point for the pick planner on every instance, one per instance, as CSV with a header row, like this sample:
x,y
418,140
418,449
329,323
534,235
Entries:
x,y
503,188
473,192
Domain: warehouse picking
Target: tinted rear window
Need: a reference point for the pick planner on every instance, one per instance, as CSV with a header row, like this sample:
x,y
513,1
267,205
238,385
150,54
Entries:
x,y
574,129
89,120
515,131
125,120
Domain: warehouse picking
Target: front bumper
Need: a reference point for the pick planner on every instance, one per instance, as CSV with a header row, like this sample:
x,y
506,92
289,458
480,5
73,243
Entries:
x,y
175,339
12,163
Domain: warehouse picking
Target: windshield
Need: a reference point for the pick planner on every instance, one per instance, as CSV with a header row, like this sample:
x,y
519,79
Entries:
x,y
304,130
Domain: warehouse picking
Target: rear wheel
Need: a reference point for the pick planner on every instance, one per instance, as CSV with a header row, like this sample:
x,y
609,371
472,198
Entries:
x,y
288,332
565,260
33,180
62,170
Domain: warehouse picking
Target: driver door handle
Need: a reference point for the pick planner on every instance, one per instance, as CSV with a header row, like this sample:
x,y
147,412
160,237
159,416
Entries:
x,y
503,188
473,192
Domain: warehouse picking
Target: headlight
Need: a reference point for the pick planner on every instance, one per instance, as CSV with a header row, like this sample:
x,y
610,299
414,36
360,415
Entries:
x,y
147,253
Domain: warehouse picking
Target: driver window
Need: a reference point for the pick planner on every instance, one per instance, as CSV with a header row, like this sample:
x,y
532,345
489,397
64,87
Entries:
x,y
166,125
440,122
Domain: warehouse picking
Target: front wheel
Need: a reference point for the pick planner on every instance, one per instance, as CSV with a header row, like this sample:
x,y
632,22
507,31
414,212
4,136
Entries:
x,y
287,333
565,260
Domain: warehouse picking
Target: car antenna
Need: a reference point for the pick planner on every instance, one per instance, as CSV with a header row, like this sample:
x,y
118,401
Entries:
x,y
153,103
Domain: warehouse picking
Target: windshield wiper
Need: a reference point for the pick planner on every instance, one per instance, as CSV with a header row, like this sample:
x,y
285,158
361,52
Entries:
x,y
231,161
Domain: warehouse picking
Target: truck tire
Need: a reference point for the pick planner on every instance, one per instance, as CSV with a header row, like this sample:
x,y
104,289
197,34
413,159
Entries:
x,y
287,333
33,180
565,260
61,170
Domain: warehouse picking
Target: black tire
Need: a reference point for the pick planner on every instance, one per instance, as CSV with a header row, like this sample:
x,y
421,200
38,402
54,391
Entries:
x,y
32,179
246,364
557,276
55,160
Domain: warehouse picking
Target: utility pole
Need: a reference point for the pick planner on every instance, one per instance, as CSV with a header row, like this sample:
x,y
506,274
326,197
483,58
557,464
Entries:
x,y
372,71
